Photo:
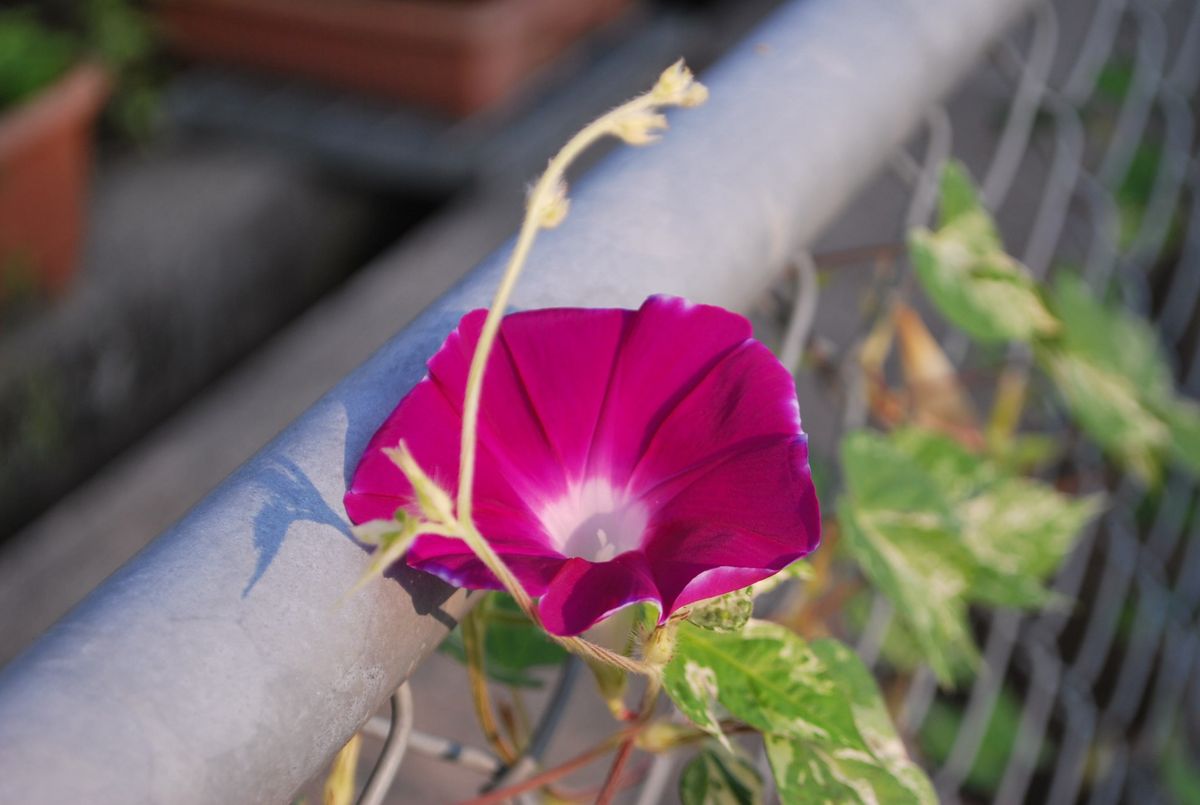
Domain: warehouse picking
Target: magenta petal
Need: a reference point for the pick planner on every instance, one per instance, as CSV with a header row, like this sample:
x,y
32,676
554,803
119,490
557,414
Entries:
x,y
664,437
585,593
754,511
745,396
453,562
509,426
565,359
520,542
671,346
379,488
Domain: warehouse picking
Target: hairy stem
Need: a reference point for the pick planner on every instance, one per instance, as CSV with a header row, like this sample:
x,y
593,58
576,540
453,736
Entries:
x,y
636,122
543,194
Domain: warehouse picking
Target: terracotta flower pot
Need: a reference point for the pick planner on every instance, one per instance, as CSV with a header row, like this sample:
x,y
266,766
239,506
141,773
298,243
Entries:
x,y
45,161
455,55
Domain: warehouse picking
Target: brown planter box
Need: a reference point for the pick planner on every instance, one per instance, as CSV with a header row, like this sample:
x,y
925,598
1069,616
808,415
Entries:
x,y
459,56
45,162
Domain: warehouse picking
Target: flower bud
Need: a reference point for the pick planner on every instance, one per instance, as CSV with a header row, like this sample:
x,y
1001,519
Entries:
x,y
662,736
677,86
550,209
640,128
381,533
695,95
434,501
612,684
660,645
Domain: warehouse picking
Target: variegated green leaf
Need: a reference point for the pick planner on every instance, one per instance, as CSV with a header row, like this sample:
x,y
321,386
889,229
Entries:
x,y
902,531
1112,338
1019,532
876,770
726,613
765,676
1110,409
965,271
1110,369
958,200
719,778
828,733
937,528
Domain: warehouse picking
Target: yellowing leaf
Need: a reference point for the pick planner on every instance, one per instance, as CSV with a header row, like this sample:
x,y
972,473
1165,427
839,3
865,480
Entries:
x,y
340,784
937,399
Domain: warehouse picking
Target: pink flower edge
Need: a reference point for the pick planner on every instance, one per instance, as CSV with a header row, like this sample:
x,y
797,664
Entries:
x,y
624,456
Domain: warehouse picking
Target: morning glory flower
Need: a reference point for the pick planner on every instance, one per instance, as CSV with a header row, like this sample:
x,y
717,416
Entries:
x,y
624,456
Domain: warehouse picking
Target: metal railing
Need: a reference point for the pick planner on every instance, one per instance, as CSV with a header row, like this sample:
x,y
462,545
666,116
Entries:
x,y
221,664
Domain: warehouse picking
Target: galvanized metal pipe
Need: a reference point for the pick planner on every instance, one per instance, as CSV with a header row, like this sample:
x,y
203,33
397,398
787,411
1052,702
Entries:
x,y
222,663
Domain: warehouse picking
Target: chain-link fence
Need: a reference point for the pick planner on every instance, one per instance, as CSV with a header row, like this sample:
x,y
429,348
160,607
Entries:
x,y
1080,128
1091,167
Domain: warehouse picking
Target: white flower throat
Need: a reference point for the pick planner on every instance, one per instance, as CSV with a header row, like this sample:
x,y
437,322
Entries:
x,y
595,521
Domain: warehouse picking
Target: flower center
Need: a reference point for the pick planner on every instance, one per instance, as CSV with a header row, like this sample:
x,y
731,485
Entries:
x,y
594,521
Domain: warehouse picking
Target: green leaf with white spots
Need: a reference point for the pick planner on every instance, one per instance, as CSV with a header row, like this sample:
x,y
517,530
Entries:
x,y
958,200
965,271
1111,337
725,613
874,769
765,676
827,731
1111,372
937,528
956,472
902,531
1019,532
719,778
925,572
1111,410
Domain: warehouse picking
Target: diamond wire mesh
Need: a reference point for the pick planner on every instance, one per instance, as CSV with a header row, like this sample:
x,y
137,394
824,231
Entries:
x,y
1104,683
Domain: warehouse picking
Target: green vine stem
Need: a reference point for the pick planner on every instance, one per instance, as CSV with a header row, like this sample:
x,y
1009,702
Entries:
x,y
637,122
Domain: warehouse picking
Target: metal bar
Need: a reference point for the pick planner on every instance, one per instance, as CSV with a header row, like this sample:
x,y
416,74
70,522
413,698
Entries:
x,y
221,664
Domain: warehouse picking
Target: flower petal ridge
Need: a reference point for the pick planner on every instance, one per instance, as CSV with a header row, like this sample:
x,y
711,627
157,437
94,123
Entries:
x,y
624,456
